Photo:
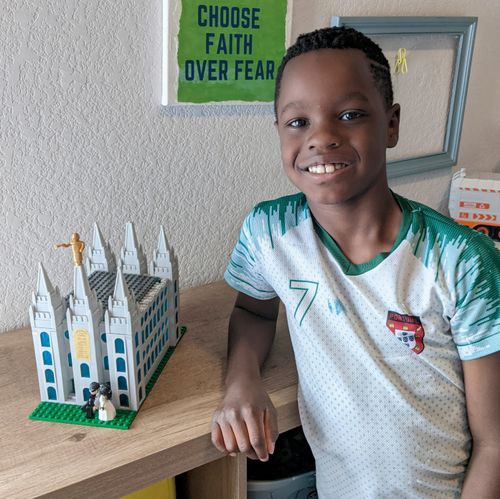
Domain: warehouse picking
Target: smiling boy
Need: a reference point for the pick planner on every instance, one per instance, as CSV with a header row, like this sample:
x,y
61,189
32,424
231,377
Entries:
x,y
393,309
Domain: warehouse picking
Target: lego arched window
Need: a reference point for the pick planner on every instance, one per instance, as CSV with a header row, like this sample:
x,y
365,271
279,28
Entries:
x,y
47,358
70,360
49,375
138,357
86,394
120,365
84,370
103,337
66,334
124,400
106,363
51,393
122,383
136,339
44,339
119,346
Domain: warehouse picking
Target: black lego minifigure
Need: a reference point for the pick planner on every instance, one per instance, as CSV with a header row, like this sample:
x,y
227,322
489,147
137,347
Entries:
x,y
89,406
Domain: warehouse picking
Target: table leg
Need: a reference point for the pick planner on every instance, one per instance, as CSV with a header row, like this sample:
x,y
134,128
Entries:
x,y
225,478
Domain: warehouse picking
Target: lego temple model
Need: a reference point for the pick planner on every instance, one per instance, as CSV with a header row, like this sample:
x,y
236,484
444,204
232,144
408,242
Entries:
x,y
115,326
475,202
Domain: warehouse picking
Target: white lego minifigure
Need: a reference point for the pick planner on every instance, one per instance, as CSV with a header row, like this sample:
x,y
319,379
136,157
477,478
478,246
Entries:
x,y
107,411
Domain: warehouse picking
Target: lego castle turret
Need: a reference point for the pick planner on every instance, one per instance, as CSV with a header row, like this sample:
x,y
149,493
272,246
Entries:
x,y
84,315
119,323
132,257
161,264
165,265
100,256
50,338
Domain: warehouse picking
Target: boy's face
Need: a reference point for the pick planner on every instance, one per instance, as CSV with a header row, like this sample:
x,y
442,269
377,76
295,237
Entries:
x,y
334,127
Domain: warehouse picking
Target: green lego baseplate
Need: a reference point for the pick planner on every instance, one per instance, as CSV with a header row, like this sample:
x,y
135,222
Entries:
x,y
72,413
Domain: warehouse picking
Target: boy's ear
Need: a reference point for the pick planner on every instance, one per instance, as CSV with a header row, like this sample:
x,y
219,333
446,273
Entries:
x,y
393,115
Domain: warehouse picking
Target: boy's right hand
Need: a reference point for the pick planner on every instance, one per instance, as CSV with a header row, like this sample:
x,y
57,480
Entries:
x,y
246,421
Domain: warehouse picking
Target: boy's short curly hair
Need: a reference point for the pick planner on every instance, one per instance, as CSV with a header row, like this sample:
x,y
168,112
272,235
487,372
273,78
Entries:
x,y
342,38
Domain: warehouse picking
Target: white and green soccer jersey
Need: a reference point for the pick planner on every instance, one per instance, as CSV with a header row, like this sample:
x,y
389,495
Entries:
x,y
378,346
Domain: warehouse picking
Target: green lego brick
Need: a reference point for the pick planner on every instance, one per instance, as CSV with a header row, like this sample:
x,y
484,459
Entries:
x,y
73,414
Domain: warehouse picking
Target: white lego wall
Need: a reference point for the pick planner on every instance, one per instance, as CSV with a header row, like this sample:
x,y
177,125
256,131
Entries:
x,y
83,137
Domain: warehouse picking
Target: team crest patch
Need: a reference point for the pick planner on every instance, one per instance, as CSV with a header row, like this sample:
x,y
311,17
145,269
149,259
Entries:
x,y
407,329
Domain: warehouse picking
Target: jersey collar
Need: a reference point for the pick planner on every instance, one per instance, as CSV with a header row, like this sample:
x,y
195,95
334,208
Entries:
x,y
347,266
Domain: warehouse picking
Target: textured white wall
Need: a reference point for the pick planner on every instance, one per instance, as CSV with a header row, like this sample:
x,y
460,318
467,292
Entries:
x,y
83,137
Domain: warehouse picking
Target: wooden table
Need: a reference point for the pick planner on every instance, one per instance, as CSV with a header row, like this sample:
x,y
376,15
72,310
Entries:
x,y
170,435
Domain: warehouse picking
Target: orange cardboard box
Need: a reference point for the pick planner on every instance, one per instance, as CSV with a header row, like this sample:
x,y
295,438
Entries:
x,y
475,202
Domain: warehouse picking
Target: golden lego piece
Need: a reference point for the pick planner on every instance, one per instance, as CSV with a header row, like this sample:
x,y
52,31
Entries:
x,y
77,246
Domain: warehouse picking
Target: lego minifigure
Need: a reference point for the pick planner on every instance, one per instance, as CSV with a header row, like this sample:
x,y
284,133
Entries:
x,y
77,247
89,406
107,411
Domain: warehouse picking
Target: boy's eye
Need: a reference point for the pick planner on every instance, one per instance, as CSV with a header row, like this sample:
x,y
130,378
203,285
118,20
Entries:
x,y
297,123
351,115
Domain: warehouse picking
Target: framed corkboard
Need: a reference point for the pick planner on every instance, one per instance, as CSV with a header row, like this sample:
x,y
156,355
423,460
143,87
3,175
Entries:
x,y
432,93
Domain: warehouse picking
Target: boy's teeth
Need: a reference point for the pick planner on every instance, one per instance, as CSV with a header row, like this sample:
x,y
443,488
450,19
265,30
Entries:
x,y
328,168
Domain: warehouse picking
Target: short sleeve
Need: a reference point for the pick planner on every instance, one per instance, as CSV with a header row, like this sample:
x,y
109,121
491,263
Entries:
x,y
245,269
476,322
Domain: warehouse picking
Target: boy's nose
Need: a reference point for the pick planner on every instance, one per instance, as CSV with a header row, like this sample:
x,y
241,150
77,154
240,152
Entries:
x,y
324,138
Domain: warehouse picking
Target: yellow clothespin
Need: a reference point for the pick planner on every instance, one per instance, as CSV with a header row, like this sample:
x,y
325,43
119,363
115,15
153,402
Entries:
x,y
401,65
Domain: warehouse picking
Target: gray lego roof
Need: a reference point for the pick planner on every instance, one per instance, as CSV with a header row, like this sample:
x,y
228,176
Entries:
x,y
104,284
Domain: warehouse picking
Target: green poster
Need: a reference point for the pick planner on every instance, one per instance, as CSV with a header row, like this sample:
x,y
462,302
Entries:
x,y
230,50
